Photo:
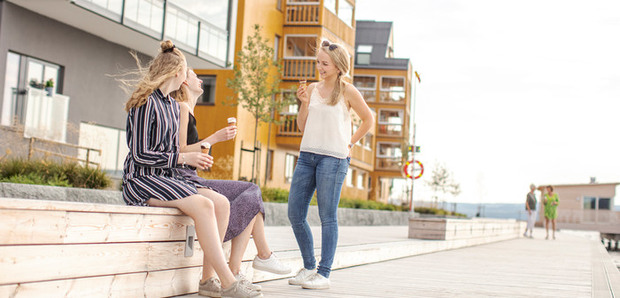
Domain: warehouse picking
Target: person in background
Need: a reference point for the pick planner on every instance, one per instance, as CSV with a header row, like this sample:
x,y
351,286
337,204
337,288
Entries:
x,y
324,157
247,212
530,206
551,202
151,176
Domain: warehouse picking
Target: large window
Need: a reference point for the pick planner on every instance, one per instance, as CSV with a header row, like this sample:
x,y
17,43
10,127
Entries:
x,y
345,12
391,122
363,54
594,203
393,89
182,27
300,46
21,72
349,178
276,47
360,180
145,15
289,167
367,85
389,155
330,5
208,85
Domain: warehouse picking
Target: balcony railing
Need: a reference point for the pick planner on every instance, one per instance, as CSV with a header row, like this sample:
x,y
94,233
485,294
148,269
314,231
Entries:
x,y
162,20
303,13
288,128
389,163
299,69
46,116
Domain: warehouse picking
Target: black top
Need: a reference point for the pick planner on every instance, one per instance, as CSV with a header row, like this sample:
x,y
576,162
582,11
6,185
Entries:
x,y
192,132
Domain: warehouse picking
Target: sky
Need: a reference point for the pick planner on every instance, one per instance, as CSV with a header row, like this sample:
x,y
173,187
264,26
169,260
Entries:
x,y
511,92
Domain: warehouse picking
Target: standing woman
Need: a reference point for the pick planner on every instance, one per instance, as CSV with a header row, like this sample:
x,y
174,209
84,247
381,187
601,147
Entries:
x,y
247,211
324,157
551,202
150,175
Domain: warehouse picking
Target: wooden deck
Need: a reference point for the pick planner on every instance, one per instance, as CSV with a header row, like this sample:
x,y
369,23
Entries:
x,y
570,266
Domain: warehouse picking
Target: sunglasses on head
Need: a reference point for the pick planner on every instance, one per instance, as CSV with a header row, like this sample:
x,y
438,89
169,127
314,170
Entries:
x,y
330,46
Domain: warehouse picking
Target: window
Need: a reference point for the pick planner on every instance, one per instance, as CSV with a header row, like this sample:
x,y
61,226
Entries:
x,y
604,203
367,141
345,12
182,27
208,85
279,5
367,86
390,122
594,203
393,89
276,47
349,178
360,180
289,167
21,72
300,46
363,54
387,149
330,5
589,203
215,12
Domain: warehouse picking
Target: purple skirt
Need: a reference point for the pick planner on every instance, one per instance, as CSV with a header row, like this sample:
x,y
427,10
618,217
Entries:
x,y
245,200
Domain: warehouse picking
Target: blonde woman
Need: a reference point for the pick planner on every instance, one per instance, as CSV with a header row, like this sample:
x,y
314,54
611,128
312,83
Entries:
x,y
151,177
247,211
324,157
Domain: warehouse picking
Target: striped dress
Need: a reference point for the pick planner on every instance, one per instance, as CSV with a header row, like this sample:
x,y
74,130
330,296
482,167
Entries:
x,y
151,166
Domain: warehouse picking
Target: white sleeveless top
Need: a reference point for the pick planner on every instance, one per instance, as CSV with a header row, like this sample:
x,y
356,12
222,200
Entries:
x,y
328,128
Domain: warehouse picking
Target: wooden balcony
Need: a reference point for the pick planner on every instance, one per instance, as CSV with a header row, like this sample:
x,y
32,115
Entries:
x,y
299,69
288,133
305,13
388,164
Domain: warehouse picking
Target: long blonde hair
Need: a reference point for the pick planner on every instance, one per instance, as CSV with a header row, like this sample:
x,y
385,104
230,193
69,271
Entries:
x,y
181,94
340,58
165,65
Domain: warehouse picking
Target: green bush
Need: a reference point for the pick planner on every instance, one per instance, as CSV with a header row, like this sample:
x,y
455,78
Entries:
x,y
435,211
44,172
278,195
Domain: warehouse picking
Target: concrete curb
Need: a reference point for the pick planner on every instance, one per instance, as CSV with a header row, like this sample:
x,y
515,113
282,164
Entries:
x,y
275,213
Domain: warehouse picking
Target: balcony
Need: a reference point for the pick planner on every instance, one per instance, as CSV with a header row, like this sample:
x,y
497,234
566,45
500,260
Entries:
x,y
314,13
46,116
388,164
141,25
303,13
299,69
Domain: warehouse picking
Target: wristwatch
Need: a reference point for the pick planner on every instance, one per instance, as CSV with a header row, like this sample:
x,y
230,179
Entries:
x,y
351,145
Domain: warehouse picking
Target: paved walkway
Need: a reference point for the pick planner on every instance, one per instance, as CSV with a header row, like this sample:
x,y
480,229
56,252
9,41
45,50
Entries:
x,y
514,268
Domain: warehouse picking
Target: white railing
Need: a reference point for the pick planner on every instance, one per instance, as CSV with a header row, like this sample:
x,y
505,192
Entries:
x,y
46,116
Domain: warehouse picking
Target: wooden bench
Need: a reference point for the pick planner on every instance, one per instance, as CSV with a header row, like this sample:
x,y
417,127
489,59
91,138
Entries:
x,y
57,249
454,229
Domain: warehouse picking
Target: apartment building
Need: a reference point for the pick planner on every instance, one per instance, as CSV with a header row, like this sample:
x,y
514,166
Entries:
x,y
293,27
385,83
80,45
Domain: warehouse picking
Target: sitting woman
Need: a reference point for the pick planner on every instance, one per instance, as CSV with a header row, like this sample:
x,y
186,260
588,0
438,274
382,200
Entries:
x,y
151,176
247,212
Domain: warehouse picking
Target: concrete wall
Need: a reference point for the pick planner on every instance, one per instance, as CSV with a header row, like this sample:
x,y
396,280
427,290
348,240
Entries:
x,y
87,60
275,213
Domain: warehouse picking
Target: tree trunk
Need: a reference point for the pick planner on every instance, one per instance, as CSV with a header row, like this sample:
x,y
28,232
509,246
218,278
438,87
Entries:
x,y
254,146
268,143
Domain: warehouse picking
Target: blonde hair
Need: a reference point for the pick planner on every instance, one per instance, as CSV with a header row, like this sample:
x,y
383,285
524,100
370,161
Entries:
x,y
181,94
340,58
165,65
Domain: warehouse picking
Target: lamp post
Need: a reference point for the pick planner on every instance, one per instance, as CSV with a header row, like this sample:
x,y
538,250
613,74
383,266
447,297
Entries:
x,y
413,129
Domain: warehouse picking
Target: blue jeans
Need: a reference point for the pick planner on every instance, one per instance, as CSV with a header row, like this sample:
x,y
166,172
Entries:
x,y
325,174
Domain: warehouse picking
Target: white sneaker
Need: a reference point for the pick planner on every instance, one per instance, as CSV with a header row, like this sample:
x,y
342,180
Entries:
x,y
237,290
248,283
316,282
272,264
303,275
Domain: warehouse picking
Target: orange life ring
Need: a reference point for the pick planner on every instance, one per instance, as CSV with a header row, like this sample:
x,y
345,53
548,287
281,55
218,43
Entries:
x,y
406,169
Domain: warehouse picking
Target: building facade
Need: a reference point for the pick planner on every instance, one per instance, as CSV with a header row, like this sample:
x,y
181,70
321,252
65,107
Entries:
x,y
81,45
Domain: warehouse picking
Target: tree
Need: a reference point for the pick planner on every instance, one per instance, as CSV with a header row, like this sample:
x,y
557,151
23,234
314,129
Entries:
x,y
256,82
443,183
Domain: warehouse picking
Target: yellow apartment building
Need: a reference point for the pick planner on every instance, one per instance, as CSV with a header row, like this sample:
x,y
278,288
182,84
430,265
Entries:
x,y
385,83
294,27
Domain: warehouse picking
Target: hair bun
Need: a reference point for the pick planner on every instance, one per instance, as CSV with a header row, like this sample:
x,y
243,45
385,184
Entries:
x,y
166,46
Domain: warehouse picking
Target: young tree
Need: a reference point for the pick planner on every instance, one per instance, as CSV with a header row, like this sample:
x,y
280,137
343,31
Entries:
x,y
442,182
255,82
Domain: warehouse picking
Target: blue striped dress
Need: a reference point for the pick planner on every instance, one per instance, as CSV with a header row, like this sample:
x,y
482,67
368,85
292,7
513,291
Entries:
x,y
151,166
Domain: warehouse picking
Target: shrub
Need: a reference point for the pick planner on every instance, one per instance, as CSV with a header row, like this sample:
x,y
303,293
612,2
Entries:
x,y
278,195
44,172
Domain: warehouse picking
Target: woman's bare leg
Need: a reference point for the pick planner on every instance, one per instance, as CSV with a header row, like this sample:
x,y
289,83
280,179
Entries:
x,y
222,213
553,226
260,239
201,210
546,228
238,246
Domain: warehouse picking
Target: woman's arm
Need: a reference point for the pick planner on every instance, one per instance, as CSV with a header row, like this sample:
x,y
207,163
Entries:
x,y
303,93
357,102
183,124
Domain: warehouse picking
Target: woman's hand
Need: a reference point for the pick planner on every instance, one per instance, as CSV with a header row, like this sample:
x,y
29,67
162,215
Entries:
x,y
225,134
302,94
199,160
